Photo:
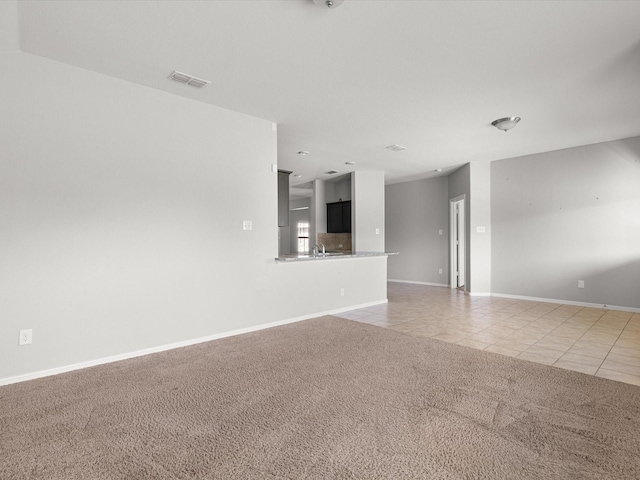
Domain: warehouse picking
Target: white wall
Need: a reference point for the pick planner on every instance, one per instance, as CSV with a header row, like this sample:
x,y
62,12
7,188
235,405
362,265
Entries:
x,y
122,209
565,216
367,208
479,212
415,212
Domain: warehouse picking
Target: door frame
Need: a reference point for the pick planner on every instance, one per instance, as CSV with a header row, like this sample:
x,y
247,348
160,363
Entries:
x,y
457,229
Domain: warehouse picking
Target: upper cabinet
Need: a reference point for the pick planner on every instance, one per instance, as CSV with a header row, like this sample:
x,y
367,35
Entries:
x,y
283,198
339,217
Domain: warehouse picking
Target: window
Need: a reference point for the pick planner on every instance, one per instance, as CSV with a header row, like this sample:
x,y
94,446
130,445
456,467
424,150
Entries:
x,y
303,237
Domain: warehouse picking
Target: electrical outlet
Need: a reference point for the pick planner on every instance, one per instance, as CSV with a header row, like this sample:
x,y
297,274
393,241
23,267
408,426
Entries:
x,y
440,271
440,232
377,231
342,292
580,283
26,337
247,225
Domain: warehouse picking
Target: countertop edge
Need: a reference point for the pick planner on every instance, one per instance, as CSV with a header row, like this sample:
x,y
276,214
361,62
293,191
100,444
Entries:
x,y
308,258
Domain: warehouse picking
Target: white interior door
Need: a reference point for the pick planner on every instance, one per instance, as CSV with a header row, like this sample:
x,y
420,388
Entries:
x,y
457,242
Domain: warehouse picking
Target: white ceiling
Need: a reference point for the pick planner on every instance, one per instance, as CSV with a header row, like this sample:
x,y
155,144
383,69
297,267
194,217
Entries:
x,y
347,82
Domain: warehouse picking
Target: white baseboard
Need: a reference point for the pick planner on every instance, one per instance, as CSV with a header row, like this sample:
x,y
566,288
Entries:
x,y
567,302
418,283
171,346
531,299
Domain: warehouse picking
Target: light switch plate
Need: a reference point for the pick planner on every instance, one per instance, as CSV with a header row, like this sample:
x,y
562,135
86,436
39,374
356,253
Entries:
x,y
26,337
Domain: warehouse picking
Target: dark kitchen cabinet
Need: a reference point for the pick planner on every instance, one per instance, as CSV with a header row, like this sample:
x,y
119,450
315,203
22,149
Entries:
x,y
339,217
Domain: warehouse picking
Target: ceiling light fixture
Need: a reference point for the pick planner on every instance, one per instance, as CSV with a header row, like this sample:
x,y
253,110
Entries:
x,y
303,152
438,170
506,123
328,3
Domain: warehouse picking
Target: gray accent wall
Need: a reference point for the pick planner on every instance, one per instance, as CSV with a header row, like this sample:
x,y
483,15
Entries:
x,y
338,190
565,216
415,212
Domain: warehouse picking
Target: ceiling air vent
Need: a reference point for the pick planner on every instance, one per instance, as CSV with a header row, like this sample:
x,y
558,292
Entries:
x,y
396,148
331,172
188,79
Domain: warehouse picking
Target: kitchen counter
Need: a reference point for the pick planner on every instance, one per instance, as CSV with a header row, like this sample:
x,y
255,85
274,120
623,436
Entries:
x,y
330,256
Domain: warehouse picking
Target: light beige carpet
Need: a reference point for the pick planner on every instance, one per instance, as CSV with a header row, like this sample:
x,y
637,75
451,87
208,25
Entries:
x,y
325,398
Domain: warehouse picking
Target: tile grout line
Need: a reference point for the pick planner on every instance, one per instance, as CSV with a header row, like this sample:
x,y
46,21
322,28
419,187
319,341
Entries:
x,y
618,338
567,351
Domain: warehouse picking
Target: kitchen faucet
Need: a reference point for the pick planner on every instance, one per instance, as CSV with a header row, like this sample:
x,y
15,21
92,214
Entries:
x,y
316,250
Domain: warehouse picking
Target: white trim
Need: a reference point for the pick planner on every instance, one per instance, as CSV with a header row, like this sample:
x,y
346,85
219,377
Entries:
x,y
568,302
418,283
454,266
171,346
532,299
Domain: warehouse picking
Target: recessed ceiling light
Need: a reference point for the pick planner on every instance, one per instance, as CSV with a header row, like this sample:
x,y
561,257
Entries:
x,y
349,163
438,170
303,152
396,148
298,176
188,79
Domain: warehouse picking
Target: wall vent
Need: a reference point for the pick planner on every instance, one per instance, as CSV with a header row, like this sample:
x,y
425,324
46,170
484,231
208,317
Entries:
x,y
188,79
396,148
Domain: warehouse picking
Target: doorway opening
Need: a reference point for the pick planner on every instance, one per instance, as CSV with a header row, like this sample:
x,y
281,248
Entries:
x,y
458,246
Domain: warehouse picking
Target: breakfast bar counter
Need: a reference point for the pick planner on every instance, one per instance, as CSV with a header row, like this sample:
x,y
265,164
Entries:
x,y
330,256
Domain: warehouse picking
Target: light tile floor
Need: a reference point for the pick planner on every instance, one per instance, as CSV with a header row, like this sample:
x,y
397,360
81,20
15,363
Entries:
x,y
595,341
